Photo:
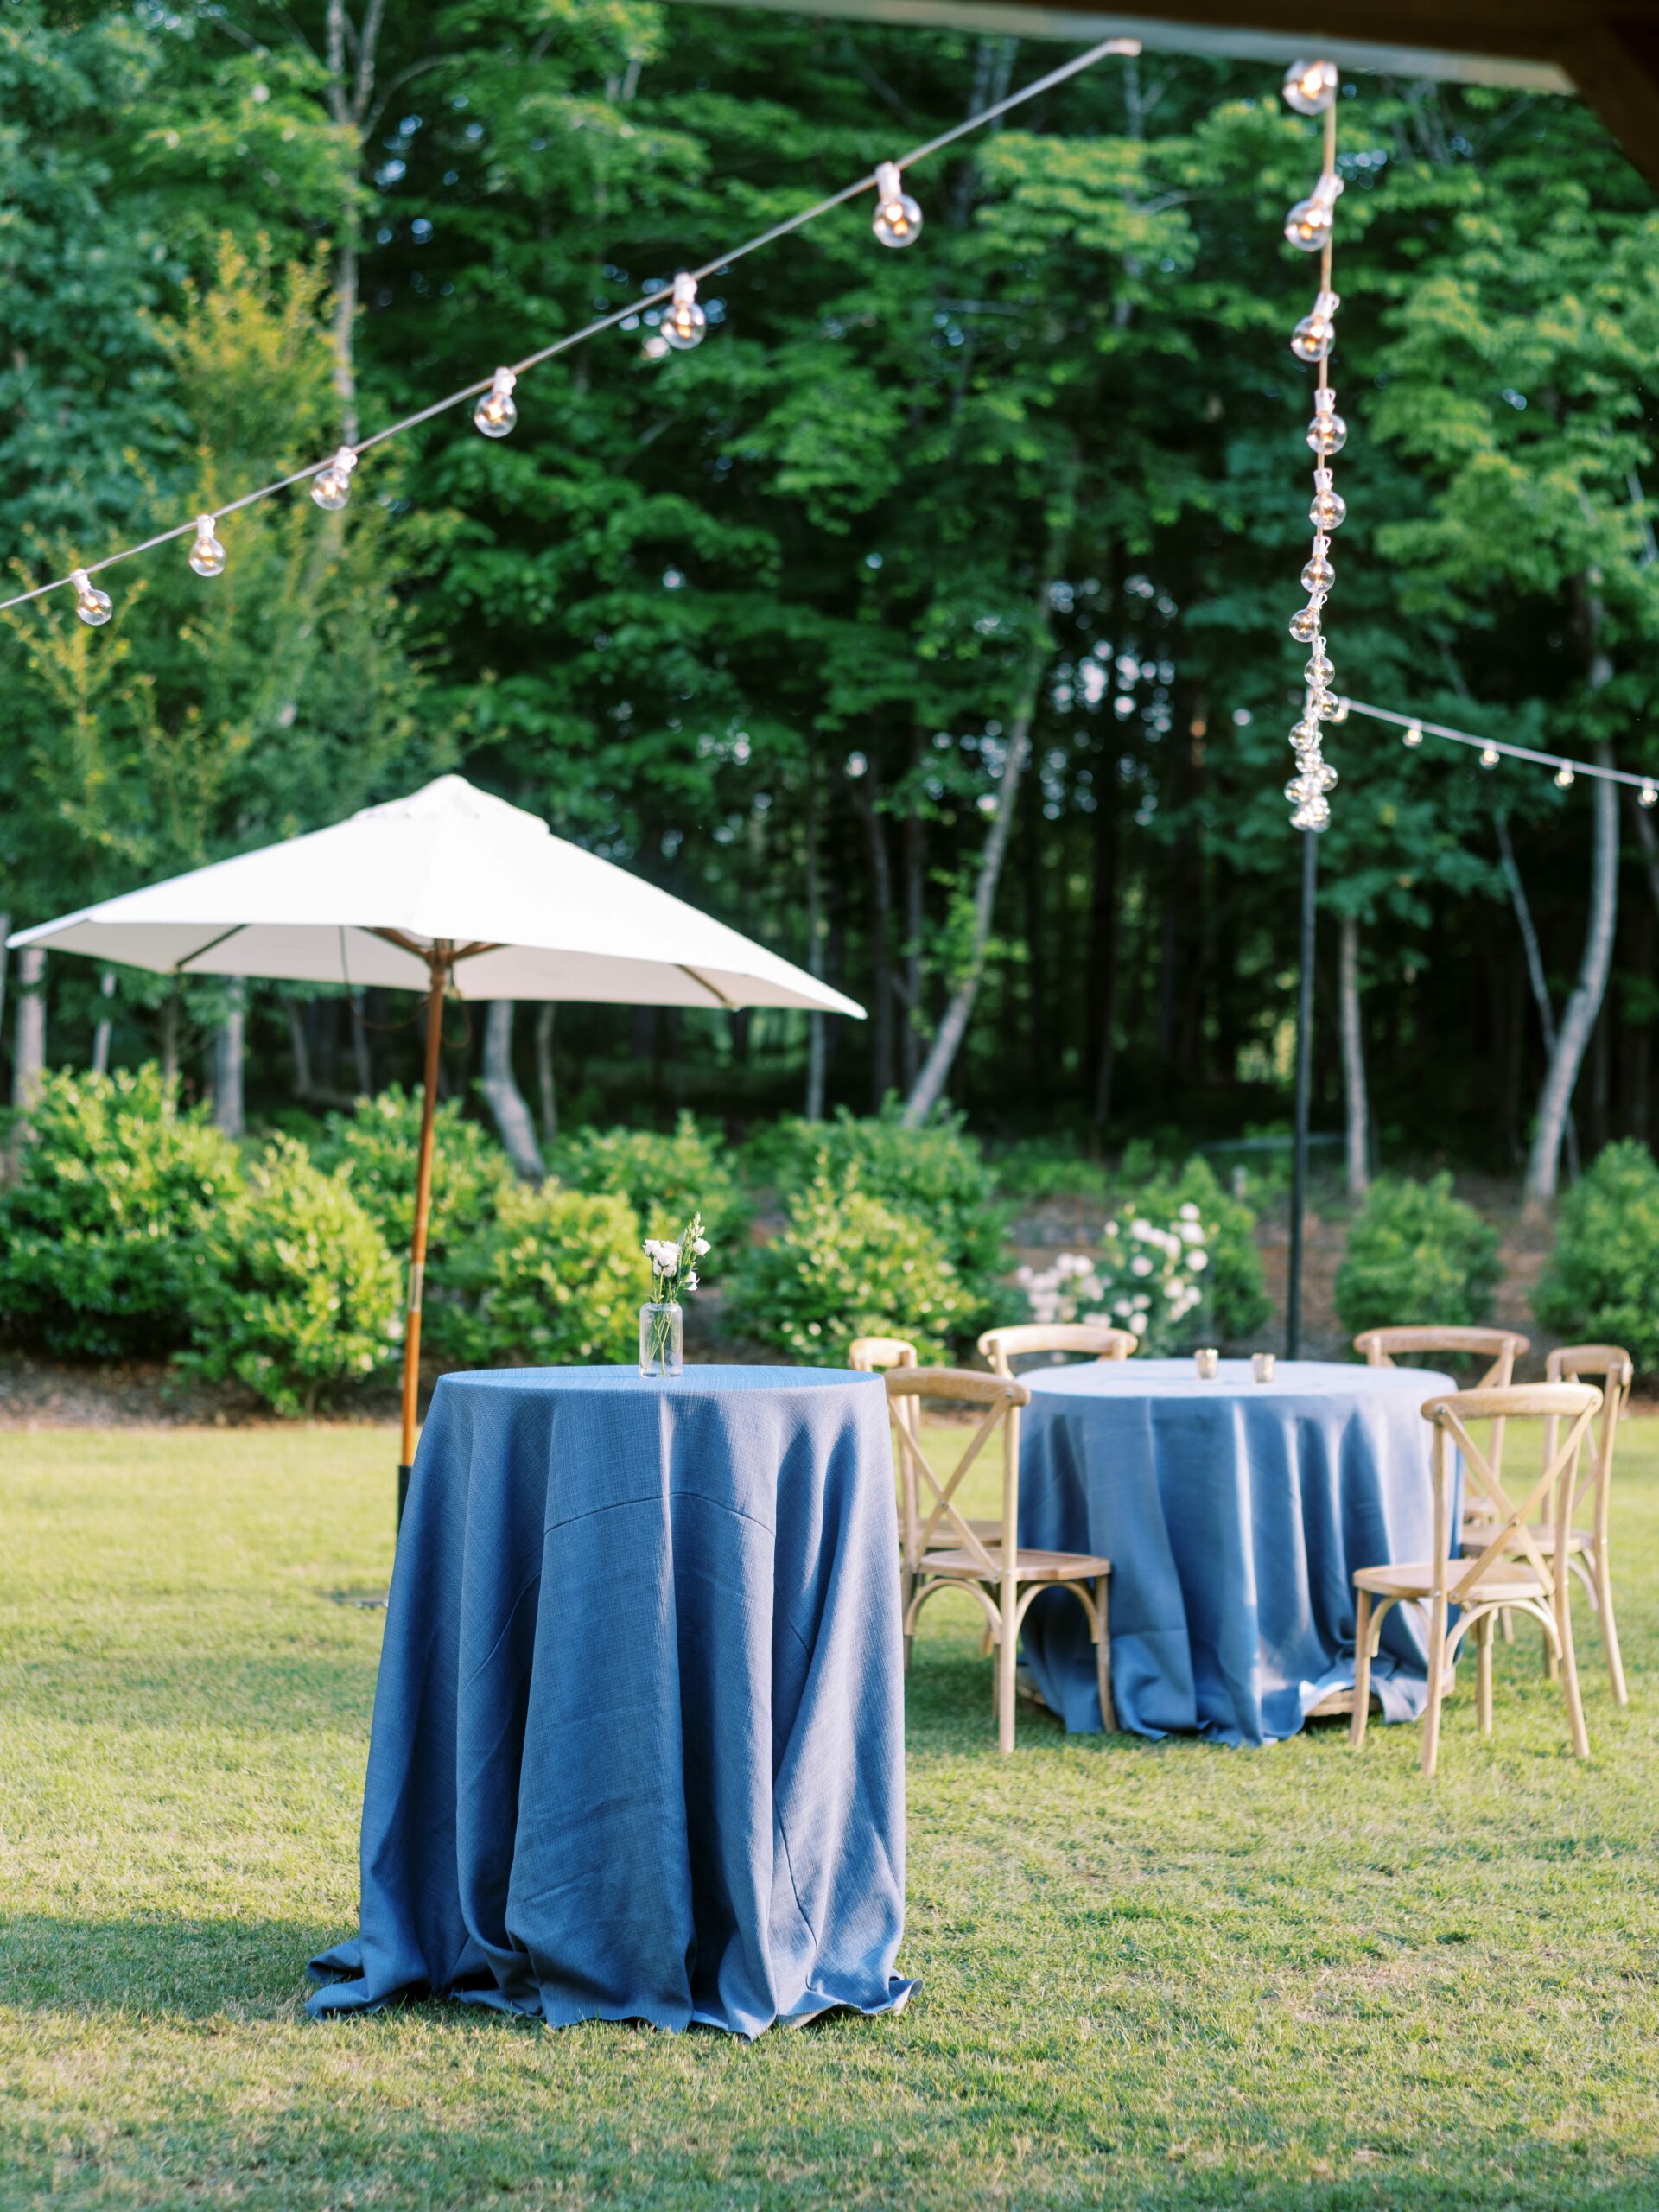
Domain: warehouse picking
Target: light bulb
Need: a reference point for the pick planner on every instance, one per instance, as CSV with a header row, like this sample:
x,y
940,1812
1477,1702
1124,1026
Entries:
x,y
1329,510
1304,736
1308,225
1413,736
685,322
1325,776
332,486
1316,334
898,219
1319,671
1341,714
94,607
1304,624
1649,795
1489,756
1312,814
495,413
1564,775
1309,86
1319,576
207,556
1327,433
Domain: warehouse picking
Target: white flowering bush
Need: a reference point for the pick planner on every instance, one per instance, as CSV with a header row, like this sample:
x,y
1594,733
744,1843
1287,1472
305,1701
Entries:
x,y
1147,1277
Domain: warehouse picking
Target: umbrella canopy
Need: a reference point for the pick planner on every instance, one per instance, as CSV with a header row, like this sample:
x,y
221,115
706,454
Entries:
x,y
525,915
452,893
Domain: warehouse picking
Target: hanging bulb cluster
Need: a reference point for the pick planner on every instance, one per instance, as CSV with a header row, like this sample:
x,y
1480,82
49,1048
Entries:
x,y
94,606
497,412
684,324
332,486
898,218
1311,89
207,556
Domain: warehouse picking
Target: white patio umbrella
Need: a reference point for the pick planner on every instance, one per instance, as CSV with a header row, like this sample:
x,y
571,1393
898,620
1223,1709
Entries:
x,y
451,892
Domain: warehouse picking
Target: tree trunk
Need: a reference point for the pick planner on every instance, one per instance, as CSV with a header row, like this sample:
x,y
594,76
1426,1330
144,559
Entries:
x,y
1535,970
866,795
6,931
103,1036
1353,1058
170,1038
362,1046
1578,1017
299,1046
228,1040
28,1054
915,853
817,1043
1102,948
504,1097
930,1085
547,1094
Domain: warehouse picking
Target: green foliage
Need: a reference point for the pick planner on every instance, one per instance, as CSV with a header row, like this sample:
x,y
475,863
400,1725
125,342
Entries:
x,y
665,1177
98,1230
937,1174
1416,1255
1039,1169
848,1264
294,1291
554,1278
1600,1284
377,1144
1235,1303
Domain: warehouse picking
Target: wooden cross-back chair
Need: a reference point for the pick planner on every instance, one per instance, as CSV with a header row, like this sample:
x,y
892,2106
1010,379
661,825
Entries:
x,y
1608,1366
1092,1338
945,1550
875,1356
1500,1348
1520,1567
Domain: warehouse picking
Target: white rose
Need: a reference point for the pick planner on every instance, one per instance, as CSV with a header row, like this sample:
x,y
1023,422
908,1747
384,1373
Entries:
x,y
1140,1265
700,1246
1198,1260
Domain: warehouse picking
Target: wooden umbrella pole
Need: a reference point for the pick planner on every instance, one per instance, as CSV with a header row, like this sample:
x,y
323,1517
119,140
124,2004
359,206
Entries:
x,y
440,957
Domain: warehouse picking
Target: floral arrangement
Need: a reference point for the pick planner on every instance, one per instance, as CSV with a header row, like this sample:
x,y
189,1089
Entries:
x,y
1144,1278
668,1257
673,1267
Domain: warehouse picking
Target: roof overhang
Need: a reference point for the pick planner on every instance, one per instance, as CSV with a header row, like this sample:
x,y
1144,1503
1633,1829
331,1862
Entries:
x,y
1605,51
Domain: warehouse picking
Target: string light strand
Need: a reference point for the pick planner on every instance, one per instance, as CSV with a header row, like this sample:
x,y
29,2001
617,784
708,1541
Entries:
x,y
662,296
1492,750
1310,88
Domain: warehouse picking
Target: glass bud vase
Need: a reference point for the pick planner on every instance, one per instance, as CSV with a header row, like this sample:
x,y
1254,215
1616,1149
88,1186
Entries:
x,y
661,1350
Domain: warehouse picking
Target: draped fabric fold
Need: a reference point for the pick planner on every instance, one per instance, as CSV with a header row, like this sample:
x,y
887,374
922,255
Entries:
x,y
1233,1515
638,1740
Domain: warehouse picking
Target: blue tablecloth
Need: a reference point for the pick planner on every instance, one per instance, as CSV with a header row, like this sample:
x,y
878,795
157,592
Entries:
x,y
637,1749
1234,1513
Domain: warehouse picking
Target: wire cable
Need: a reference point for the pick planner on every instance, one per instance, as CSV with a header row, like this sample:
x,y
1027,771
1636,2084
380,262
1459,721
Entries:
x,y
1127,47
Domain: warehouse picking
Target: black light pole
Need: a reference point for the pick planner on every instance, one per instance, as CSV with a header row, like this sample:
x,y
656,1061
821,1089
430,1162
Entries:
x,y
1304,1059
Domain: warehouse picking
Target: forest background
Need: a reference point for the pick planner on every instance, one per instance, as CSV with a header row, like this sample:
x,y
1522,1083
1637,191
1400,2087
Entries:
x,y
1000,533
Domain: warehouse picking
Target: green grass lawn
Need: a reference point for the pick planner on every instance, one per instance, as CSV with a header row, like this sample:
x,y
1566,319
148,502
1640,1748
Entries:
x,y
1153,1974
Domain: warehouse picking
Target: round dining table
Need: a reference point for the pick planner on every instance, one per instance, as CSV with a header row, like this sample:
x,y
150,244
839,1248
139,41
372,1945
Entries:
x,y
638,1746
1234,1513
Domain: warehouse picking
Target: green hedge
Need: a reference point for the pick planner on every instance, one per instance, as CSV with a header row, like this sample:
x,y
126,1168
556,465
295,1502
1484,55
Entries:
x,y
378,1145
98,1228
937,1175
294,1291
1416,1255
664,1177
557,1277
1600,1284
846,1264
